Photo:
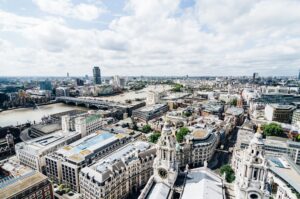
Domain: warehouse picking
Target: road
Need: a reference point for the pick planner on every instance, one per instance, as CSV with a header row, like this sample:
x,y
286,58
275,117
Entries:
x,y
223,156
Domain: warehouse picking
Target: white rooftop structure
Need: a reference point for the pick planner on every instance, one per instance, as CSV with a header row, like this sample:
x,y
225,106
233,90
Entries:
x,y
201,183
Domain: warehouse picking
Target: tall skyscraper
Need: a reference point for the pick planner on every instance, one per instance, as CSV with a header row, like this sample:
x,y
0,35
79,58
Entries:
x,y
299,75
97,75
255,76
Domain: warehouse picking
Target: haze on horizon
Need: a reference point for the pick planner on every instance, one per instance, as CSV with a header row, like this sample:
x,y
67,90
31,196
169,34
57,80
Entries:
x,y
149,37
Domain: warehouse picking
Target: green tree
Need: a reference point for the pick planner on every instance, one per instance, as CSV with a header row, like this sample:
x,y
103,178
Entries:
x,y
233,102
183,131
273,129
154,137
298,138
146,128
230,177
187,114
177,88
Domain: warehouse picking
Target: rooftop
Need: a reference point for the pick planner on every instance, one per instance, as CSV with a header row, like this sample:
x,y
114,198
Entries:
x,y
126,154
287,170
77,151
40,144
235,111
204,184
15,185
151,108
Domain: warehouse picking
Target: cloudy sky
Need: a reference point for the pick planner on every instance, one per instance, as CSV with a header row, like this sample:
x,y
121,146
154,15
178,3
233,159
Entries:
x,y
149,37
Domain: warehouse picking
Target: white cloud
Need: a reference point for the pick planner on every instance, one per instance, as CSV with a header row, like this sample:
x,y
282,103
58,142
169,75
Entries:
x,y
66,8
157,37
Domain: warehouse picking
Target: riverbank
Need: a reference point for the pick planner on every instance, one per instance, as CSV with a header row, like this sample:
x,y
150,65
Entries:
x,y
15,108
19,116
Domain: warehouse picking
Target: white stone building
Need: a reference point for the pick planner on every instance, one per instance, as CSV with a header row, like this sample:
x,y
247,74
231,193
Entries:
x,y
119,174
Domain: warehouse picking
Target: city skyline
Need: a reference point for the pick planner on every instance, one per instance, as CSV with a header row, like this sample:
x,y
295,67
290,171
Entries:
x,y
149,38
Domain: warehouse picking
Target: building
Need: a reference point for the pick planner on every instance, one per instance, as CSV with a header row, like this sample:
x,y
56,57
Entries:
x,y
202,183
279,113
88,124
198,147
79,82
17,181
250,166
237,113
212,108
119,174
296,117
62,91
165,168
97,75
274,146
263,176
45,85
39,130
152,98
168,182
64,165
150,112
255,76
32,153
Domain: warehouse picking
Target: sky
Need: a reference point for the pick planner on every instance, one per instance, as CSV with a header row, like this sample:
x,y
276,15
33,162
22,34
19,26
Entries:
x,y
149,37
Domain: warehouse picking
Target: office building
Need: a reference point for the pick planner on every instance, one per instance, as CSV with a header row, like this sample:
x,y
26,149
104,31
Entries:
x,y
279,113
63,165
150,112
296,117
152,98
88,124
236,113
62,92
97,75
198,147
45,85
119,174
32,153
255,76
18,181
79,82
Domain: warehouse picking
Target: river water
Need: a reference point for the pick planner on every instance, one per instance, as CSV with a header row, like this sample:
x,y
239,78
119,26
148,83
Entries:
x,y
23,115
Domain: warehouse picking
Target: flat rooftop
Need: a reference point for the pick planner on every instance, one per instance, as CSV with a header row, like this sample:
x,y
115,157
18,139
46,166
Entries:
x,y
47,128
16,185
77,151
151,108
235,111
47,141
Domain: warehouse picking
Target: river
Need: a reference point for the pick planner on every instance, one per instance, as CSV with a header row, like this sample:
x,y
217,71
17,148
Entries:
x,y
22,115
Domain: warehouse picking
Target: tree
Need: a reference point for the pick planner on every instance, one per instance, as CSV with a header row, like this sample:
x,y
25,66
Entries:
x,y
298,138
177,88
187,114
146,128
154,137
233,102
183,131
230,177
273,129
